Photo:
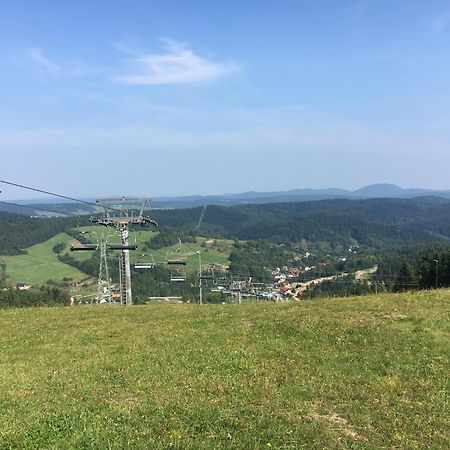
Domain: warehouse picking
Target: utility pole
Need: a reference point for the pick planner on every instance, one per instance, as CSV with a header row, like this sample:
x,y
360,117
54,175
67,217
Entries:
x,y
123,223
436,267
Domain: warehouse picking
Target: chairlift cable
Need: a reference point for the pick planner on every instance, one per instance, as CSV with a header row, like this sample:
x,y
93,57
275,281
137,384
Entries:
x,y
54,194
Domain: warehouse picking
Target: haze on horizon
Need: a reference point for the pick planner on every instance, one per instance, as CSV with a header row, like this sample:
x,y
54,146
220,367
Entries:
x,y
177,98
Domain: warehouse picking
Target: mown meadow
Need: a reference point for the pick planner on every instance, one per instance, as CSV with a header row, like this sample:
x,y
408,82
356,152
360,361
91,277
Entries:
x,y
364,373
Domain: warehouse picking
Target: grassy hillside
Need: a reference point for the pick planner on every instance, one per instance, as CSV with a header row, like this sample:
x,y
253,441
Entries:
x,y
370,372
40,264
215,251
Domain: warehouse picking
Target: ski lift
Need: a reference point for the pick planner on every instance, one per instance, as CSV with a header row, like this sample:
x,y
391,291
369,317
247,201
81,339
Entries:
x,y
176,256
120,245
78,246
178,276
145,262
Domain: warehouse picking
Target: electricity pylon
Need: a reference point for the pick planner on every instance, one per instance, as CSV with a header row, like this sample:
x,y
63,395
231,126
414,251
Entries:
x,y
103,274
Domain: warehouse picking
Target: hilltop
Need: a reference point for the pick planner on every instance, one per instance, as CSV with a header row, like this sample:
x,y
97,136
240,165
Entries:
x,y
367,372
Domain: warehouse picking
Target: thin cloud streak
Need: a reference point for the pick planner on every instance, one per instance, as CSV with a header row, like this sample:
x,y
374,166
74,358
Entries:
x,y
178,65
74,68
37,56
441,22
264,135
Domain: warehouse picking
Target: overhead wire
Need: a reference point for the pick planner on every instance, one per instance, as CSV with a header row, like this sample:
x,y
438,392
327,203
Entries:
x,y
66,197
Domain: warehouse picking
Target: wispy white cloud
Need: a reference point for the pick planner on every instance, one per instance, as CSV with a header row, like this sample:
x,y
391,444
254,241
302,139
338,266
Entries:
x,y
441,22
437,23
37,57
293,130
177,65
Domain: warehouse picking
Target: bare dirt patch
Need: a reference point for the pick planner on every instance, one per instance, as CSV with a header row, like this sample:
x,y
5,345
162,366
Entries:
x,y
342,423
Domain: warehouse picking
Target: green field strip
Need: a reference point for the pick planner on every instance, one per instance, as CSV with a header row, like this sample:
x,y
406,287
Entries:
x,y
40,264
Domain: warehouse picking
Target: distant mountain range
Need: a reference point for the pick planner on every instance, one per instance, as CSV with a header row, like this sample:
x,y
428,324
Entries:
x,y
296,195
291,196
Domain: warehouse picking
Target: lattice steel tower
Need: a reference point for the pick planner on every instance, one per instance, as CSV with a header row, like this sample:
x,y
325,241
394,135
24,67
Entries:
x,y
104,281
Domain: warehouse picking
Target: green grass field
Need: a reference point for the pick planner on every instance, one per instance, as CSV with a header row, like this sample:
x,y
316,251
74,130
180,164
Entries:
x,y
40,264
357,373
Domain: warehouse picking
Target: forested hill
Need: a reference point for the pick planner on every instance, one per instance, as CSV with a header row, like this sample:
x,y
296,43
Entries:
x,y
376,222
19,232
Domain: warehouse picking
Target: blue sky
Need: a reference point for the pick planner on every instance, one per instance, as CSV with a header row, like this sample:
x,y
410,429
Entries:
x,y
204,97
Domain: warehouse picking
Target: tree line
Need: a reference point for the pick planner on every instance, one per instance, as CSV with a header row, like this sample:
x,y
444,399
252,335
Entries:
x,y
45,296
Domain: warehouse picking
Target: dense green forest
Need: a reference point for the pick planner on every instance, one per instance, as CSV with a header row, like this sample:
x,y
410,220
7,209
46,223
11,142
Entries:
x,y
19,232
377,223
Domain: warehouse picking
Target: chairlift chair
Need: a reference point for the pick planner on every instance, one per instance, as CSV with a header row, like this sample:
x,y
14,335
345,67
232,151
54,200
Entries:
x,y
122,247
222,282
206,277
78,246
119,245
176,256
178,276
145,262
